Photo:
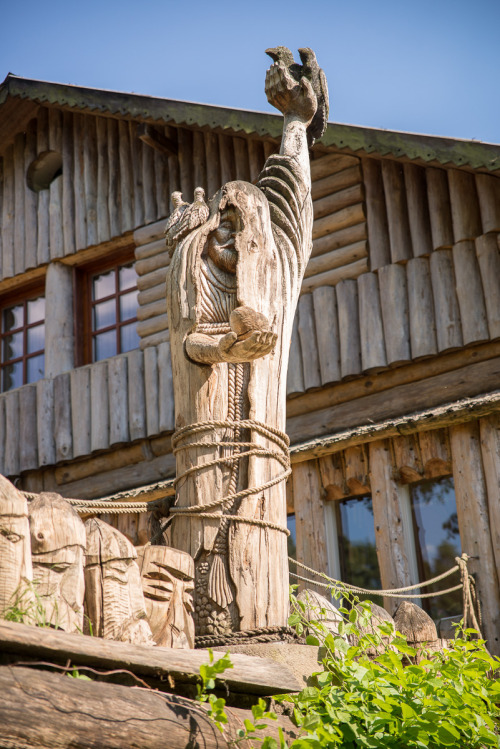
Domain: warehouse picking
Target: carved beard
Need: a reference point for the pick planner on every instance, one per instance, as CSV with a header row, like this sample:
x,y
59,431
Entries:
x,y
225,258
116,604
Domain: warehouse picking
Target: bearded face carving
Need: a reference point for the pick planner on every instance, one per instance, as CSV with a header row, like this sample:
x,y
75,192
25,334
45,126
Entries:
x,y
57,548
114,602
15,559
168,582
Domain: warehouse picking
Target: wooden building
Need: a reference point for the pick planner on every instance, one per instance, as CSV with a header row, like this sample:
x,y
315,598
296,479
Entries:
x,y
394,378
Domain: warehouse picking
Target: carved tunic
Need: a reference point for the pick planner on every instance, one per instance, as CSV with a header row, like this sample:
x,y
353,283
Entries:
x,y
273,244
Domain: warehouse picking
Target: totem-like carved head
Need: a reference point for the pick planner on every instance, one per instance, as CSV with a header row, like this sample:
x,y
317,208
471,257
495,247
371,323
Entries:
x,y
168,582
114,602
57,550
15,558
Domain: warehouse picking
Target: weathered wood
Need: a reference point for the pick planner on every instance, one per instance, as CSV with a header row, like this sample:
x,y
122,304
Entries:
x,y
336,181
136,147
154,339
255,159
332,476
136,398
174,178
353,214
153,325
79,186
421,309
439,208
470,293
435,453
295,375
43,196
99,406
153,309
151,390
19,191
350,343
185,158
30,201
148,183
114,195
327,333
152,263
152,247
241,159
356,470
59,320
74,471
90,175
395,314
118,400
418,209
407,458
331,164
397,211
213,163
162,189
474,525
45,422
309,516
332,277
63,431
378,231
151,279
166,421
1,216
15,561
337,240
464,205
8,213
3,436
80,410
56,188
373,357
414,624
335,201
104,178
448,327
68,184
28,453
488,191
488,255
127,187
12,445
389,532
227,167
308,344
336,258
489,430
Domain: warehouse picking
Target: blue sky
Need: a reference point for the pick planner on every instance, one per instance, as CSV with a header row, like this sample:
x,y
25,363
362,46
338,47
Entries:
x,y
428,66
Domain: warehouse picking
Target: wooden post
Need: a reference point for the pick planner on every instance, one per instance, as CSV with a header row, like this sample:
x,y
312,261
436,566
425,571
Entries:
x,y
350,345
373,356
387,517
474,524
59,328
421,309
45,422
99,406
308,345
63,431
394,303
327,333
309,517
449,330
489,429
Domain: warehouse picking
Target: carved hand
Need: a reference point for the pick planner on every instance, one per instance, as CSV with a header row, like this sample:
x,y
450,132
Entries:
x,y
290,97
258,344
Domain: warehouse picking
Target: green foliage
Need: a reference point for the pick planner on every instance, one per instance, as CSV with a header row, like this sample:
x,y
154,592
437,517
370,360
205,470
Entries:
x,y
26,606
446,699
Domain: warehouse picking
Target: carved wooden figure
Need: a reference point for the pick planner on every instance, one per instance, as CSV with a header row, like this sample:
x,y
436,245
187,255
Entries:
x,y
232,288
16,571
57,551
114,602
168,582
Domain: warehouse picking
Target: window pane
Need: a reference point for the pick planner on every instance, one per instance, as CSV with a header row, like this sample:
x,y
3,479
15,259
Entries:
x,y
12,318
128,277
35,367
12,346
12,376
36,309
292,544
128,305
357,550
103,285
36,338
438,540
104,315
129,338
105,345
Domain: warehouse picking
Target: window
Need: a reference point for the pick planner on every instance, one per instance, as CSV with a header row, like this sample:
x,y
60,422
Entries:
x,y
435,525
22,342
109,311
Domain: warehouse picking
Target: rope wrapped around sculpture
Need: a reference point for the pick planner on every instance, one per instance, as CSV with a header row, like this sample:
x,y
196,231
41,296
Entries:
x,y
281,456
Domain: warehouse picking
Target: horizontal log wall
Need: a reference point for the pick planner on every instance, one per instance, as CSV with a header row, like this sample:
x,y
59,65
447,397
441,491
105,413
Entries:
x,y
97,407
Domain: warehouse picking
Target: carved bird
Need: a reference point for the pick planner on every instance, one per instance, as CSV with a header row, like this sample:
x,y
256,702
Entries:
x,y
284,56
180,206
316,76
198,211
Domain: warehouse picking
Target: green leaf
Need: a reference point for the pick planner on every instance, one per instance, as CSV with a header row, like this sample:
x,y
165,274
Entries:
x,y
248,725
447,734
311,640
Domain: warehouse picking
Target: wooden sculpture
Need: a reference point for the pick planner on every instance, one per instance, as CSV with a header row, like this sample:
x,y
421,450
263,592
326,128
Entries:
x,y
16,571
57,551
167,582
114,602
232,289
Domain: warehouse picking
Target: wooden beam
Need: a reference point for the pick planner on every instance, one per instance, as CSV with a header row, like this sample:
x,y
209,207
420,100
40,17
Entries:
x,y
155,139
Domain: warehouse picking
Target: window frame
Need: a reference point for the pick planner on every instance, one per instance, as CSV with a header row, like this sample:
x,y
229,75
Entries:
x,y
22,295
84,304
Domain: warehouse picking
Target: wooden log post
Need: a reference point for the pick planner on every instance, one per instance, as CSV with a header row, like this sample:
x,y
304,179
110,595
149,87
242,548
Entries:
x,y
488,255
423,340
470,293
373,357
397,211
350,343
464,205
418,209
488,190
327,333
474,524
439,208
395,316
449,329
378,232
489,430
308,343
59,328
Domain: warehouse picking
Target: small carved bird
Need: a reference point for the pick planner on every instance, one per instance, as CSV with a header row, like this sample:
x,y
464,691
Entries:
x,y
284,56
198,211
180,206
316,76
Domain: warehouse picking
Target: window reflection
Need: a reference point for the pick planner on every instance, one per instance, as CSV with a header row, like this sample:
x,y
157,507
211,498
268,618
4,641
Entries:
x,y
356,539
114,312
437,538
22,343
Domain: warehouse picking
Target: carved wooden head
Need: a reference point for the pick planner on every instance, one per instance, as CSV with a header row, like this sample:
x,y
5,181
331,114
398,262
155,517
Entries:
x,y
57,549
114,602
168,582
15,556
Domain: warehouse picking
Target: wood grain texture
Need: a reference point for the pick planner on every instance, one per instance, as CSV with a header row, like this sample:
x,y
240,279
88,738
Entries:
x,y
489,431
395,313
28,448
151,390
56,188
45,423
327,333
68,184
63,431
488,191
421,309
104,179
418,209
488,255
295,375
464,205
80,410
470,293
42,145
435,453
350,344
308,344
309,516
448,325
373,357
90,175
19,192
118,400
397,211
12,445
166,420
79,169
136,395
439,208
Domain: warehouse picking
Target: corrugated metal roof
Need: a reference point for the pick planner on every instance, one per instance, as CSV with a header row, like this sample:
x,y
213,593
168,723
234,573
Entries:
x,y
360,140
